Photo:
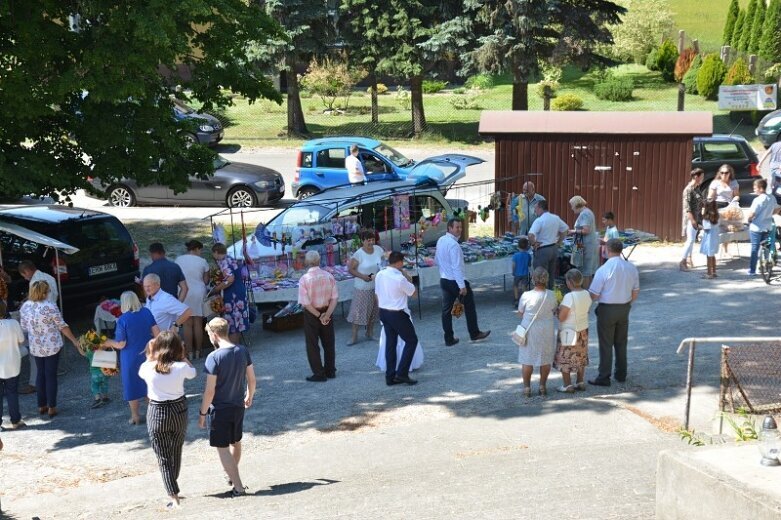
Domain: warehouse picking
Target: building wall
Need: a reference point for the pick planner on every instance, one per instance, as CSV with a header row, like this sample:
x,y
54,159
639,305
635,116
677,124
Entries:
x,y
640,178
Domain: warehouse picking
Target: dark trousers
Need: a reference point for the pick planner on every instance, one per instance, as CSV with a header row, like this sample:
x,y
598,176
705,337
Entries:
x,y
316,333
166,422
46,380
398,324
613,331
9,390
450,292
546,257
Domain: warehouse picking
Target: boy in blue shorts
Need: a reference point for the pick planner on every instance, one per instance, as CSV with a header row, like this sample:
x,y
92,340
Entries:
x,y
521,262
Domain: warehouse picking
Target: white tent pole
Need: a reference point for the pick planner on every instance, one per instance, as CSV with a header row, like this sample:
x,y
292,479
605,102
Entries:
x,y
57,268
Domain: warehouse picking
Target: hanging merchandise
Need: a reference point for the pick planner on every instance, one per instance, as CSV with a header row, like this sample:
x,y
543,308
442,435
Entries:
x,y
483,211
496,201
401,211
218,234
262,234
244,249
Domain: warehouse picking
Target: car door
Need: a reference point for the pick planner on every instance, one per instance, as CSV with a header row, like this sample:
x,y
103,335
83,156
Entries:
x,y
376,168
444,170
329,170
201,191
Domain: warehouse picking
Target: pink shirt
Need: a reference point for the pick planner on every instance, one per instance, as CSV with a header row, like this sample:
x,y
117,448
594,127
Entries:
x,y
317,288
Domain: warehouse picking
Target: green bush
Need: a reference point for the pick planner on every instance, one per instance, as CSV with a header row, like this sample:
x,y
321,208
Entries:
x,y
615,89
663,60
652,59
381,89
567,102
465,101
433,86
690,78
480,81
304,94
403,98
772,73
738,74
459,90
710,76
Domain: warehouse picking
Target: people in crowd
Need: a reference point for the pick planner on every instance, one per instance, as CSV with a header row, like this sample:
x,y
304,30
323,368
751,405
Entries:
x,y
30,272
692,215
774,155
524,210
230,387
393,287
545,235
234,292
355,171
615,286
454,285
196,274
134,329
611,231
709,245
586,229
169,313
573,316
42,321
536,308
164,371
522,261
172,278
723,189
11,338
760,217
318,294
364,264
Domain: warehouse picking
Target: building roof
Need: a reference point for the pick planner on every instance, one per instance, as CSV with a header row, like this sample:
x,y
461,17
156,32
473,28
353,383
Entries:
x,y
493,122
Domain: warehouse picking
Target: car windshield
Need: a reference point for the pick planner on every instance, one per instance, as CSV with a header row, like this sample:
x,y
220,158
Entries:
x,y
181,107
297,216
392,155
220,162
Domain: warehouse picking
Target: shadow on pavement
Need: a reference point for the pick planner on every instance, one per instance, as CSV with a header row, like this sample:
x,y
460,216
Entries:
x,y
294,487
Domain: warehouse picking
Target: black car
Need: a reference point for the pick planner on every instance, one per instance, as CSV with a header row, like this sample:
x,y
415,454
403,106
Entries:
x,y
769,128
206,130
105,265
710,153
237,185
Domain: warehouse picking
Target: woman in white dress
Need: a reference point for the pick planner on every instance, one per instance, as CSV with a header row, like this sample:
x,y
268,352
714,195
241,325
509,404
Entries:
x,y
196,272
417,358
536,309
364,264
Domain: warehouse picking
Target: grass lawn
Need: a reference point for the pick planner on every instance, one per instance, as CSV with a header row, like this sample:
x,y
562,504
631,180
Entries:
x,y
702,20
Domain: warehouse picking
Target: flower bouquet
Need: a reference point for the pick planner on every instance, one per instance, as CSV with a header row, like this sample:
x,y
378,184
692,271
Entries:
x,y
216,276
217,305
112,307
90,344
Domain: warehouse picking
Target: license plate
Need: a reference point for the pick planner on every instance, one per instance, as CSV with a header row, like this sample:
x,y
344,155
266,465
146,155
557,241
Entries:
x,y
101,269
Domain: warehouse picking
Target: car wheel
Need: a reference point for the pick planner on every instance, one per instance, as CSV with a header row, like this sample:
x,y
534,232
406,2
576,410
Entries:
x,y
190,140
241,198
305,193
121,197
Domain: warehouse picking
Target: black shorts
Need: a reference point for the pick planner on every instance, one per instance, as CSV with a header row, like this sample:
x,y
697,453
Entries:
x,y
226,426
521,282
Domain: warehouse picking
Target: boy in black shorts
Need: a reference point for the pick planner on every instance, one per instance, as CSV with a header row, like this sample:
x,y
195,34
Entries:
x,y
230,386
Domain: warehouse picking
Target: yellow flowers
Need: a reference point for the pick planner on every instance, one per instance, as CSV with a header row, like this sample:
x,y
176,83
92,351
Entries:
x,y
559,295
91,340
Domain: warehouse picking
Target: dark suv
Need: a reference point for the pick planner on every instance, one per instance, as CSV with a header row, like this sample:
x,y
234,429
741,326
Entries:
x,y
710,153
105,265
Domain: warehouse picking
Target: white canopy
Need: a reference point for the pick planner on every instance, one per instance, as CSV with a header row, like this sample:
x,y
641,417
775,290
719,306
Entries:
x,y
39,238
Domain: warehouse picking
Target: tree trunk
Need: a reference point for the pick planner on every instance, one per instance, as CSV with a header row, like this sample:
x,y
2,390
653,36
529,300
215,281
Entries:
x,y
418,115
296,125
520,94
375,103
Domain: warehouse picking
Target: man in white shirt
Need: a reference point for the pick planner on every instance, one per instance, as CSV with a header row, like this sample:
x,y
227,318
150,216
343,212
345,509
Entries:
x,y
355,171
450,260
545,235
169,312
615,286
393,286
31,273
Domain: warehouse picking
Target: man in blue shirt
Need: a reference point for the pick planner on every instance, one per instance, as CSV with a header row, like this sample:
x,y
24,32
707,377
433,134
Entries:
x,y
171,276
761,218
230,387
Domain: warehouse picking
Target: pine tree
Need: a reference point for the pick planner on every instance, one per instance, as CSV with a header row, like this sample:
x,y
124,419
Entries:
x,y
770,45
732,18
748,22
736,34
756,27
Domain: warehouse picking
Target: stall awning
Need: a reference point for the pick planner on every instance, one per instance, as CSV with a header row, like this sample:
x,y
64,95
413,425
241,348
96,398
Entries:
x,y
39,238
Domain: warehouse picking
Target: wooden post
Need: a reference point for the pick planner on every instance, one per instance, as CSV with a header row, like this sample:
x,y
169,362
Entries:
x,y
681,41
696,46
546,96
752,63
725,53
681,96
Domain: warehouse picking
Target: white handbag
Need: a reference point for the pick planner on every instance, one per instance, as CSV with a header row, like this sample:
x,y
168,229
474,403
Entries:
x,y
519,335
569,337
105,359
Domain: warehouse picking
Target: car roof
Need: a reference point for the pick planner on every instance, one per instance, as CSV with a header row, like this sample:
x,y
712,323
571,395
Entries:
x,y
50,213
365,142
721,137
344,195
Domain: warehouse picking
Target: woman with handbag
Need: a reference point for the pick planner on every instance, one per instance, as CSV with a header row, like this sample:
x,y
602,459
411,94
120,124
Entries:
x,y
587,235
536,309
42,321
364,264
572,341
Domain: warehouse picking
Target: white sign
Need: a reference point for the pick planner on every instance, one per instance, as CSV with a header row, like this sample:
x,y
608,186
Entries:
x,y
748,97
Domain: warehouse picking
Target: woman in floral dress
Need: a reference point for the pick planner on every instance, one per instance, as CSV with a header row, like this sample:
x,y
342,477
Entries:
x,y
234,292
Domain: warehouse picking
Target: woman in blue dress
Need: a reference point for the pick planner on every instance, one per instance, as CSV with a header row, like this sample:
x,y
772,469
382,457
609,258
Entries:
x,y
135,328
234,292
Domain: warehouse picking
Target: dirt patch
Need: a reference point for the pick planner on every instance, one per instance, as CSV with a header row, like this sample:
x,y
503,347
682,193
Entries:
x,y
665,423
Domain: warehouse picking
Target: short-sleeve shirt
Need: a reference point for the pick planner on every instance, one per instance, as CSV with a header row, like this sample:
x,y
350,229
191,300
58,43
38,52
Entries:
x,y
579,304
229,364
165,387
317,288
352,164
393,289
169,272
615,281
54,294
367,264
763,207
775,155
43,322
723,193
521,260
547,227
165,308
11,336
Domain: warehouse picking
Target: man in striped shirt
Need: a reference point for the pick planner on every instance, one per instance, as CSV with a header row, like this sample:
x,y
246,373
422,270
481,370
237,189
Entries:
x,y
317,293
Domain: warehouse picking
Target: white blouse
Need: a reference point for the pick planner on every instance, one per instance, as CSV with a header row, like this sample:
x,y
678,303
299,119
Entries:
x,y
367,264
165,387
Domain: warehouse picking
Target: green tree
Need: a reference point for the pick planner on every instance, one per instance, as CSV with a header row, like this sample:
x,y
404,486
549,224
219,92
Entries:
x,y
84,88
748,22
729,26
738,74
690,78
738,32
756,27
710,76
645,24
770,45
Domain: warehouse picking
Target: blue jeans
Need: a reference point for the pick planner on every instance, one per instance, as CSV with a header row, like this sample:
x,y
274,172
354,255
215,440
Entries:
x,y
46,380
8,389
756,239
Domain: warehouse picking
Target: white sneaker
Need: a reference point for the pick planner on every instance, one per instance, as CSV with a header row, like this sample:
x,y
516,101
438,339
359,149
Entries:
x,y
566,389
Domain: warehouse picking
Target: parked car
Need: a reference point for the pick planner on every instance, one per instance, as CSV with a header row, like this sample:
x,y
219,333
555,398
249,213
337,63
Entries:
x,y
320,163
371,206
208,129
105,265
711,152
237,185
769,128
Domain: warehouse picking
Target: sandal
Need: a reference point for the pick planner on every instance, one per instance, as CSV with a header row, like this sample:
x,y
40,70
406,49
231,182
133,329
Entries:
x,y
683,265
527,391
97,404
580,387
543,391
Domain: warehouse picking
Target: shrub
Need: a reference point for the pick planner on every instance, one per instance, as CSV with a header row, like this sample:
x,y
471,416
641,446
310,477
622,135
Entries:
x,y
738,74
683,63
403,98
480,81
652,59
615,89
330,80
710,76
465,101
551,77
644,24
433,86
567,102
459,90
664,60
304,94
690,78
772,73
381,89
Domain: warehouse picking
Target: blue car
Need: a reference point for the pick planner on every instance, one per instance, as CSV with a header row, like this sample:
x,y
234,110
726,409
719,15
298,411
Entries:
x,y
320,163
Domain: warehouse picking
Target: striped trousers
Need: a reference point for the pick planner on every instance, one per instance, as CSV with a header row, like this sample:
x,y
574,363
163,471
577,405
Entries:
x,y
167,424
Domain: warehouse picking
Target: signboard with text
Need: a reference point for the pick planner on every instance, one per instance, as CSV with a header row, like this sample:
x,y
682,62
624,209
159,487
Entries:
x,y
748,97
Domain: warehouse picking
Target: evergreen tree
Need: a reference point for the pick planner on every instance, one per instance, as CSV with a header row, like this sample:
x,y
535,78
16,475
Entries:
x,y
756,27
748,22
770,45
729,26
738,32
